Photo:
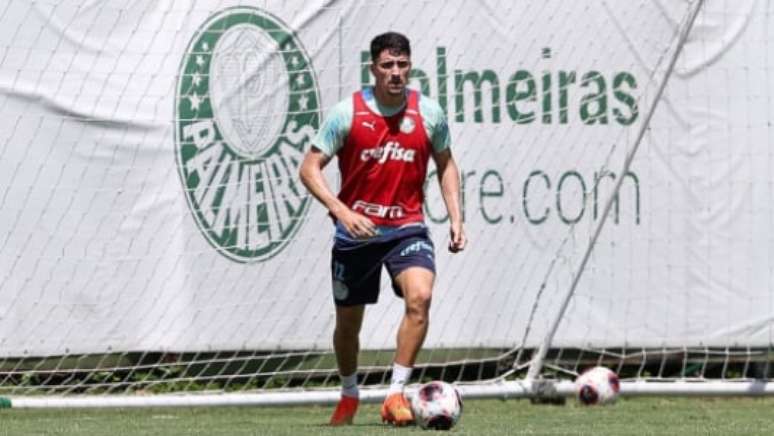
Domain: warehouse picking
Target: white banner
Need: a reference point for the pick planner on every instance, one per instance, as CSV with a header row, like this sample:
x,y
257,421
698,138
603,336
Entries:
x,y
149,197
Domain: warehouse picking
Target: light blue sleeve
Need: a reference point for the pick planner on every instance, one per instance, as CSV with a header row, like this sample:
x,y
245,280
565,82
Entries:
x,y
335,128
436,125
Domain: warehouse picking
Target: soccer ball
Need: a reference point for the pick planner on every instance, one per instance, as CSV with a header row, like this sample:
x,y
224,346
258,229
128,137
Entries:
x,y
597,385
437,405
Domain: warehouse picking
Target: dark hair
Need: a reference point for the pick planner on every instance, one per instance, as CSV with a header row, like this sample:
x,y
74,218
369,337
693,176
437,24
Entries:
x,y
395,42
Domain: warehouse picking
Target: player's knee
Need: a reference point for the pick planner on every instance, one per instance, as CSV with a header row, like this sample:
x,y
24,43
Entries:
x,y
422,298
344,334
346,331
418,306
417,318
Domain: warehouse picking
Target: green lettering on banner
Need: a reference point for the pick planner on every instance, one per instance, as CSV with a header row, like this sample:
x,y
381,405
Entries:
x,y
525,196
546,97
538,197
619,80
514,95
593,108
560,190
598,179
443,91
485,193
476,80
421,77
464,194
525,93
432,176
565,80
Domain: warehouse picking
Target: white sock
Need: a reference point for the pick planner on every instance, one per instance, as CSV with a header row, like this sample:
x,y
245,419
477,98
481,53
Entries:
x,y
400,376
349,385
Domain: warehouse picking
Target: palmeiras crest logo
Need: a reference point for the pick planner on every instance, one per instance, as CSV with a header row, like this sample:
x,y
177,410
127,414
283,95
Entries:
x,y
246,107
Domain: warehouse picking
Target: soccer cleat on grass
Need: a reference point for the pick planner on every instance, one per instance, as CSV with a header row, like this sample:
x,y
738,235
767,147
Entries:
x,y
396,410
345,411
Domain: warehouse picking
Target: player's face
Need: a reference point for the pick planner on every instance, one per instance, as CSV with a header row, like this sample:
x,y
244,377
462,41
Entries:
x,y
391,72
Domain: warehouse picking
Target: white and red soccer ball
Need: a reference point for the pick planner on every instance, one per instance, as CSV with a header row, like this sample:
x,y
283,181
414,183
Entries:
x,y
437,405
598,385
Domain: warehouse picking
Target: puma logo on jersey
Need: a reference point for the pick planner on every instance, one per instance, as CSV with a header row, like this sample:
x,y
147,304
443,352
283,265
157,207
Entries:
x,y
371,125
391,150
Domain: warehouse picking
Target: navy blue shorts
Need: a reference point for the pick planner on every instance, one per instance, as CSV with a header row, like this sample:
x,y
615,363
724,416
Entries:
x,y
356,265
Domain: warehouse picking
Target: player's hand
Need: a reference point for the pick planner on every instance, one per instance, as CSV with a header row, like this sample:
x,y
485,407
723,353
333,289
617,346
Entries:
x,y
359,226
457,238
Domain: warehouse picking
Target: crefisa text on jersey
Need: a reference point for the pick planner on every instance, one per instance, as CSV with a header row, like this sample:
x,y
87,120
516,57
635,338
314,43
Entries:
x,y
391,150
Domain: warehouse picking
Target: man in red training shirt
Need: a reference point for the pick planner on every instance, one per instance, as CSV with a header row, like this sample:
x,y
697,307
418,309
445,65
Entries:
x,y
383,137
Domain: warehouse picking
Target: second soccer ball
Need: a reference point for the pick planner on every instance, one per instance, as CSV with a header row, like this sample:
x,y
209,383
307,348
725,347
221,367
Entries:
x,y
597,385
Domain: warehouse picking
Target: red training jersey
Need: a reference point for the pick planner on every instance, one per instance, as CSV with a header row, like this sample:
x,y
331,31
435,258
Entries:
x,y
383,163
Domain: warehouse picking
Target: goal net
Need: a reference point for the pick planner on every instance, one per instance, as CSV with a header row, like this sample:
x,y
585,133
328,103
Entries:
x,y
157,246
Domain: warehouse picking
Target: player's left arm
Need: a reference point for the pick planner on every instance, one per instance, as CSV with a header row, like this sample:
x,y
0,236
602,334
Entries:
x,y
449,179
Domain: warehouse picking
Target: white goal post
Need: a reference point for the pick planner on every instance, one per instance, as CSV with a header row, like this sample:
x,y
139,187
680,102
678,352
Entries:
x,y
157,248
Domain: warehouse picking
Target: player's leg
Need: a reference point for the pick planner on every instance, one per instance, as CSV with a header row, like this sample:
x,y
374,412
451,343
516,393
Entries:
x,y
416,285
346,344
346,337
411,263
356,275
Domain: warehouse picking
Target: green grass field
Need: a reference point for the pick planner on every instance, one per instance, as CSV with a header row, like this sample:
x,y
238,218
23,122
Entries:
x,y
641,416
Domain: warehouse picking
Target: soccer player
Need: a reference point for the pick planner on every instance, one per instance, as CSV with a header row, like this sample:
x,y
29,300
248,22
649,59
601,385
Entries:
x,y
383,137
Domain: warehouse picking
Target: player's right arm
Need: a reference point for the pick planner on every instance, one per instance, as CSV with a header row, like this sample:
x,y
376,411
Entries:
x,y
328,141
312,177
